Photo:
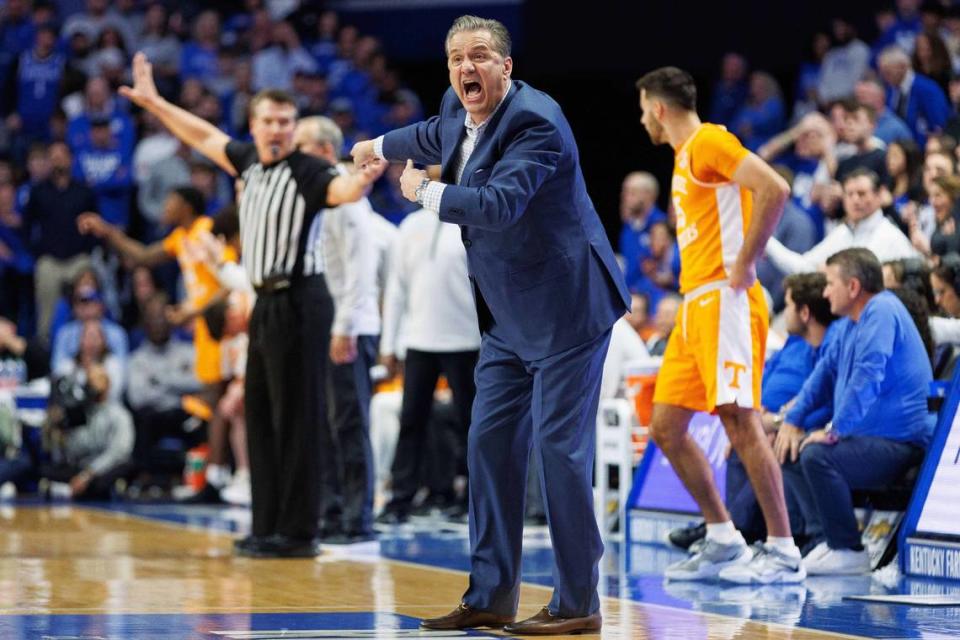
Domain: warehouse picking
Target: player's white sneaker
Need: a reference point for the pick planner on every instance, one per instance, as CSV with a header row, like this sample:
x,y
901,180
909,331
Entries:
x,y
769,565
709,560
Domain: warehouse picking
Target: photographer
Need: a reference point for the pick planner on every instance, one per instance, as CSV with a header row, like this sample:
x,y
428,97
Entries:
x,y
91,436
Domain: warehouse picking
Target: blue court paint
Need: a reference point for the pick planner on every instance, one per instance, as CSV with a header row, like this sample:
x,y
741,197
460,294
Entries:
x,y
817,604
233,626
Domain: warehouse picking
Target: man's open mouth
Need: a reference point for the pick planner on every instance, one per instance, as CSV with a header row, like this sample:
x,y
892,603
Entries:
x,y
472,89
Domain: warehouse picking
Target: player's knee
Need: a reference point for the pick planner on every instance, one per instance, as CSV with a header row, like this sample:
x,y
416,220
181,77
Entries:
x,y
665,434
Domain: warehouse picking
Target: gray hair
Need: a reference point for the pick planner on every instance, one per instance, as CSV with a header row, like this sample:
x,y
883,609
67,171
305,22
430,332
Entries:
x,y
893,54
645,180
324,130
499,33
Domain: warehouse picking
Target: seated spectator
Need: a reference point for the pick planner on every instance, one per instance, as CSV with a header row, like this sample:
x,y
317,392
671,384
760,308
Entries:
x,y
904,165
914,97
859,125
98,103
659,263
85,332
161,47
808,320
161,373
944,194
91,455
86,280
93,348
844,63
274,66
763,115
23,359
103,164
39,72
940,143
945,282
796,231
913,274
864,226
664,320
874,376
638,212
931,58
16,262
813,141
808,77
639,316
198,57
730,92
889,127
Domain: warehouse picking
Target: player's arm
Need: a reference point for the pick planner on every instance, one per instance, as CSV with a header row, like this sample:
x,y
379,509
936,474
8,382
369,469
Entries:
x,y
148,255
191,129
770,193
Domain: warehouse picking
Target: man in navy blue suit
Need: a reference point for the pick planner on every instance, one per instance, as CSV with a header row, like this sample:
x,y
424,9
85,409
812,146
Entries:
x,y
548,289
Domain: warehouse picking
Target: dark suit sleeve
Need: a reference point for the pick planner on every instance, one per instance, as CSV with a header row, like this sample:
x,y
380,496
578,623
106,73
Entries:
x,y
419,142
530,158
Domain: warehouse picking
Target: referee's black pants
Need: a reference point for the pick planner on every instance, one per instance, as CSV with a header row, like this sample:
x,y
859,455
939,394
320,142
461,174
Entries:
x,y
286,408
420,373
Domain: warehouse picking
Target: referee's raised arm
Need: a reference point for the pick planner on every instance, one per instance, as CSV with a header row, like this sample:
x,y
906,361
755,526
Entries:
x,y
189,128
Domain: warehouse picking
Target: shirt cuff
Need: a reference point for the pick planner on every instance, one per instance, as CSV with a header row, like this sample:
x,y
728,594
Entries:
x,y
378,147
432,195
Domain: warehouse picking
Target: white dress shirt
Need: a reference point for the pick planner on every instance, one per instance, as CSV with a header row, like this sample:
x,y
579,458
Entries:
x,y
350,262
874,232
428,291
626,345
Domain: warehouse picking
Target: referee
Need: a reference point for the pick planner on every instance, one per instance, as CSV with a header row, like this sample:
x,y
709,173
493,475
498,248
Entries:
x,y
289,329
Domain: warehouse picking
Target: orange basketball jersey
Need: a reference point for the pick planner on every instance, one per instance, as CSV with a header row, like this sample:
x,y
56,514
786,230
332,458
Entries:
x,y
713,212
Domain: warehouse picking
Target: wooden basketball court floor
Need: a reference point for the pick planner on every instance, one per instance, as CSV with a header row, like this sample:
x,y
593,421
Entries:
x,y
164,572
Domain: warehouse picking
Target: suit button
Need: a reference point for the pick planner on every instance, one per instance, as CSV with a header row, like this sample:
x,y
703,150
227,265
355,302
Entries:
x,y
468,243
456,212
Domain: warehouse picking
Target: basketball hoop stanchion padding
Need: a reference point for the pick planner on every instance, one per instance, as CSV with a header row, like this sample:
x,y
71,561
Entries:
x,y
929,541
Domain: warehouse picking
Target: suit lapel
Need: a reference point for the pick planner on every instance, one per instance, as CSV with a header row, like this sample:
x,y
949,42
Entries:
x,y
453,134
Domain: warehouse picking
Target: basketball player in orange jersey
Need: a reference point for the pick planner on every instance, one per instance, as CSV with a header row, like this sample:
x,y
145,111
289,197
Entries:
x,y
727,203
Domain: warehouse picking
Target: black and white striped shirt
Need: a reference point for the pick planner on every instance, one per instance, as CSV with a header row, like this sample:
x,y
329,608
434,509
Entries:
x,y
276,208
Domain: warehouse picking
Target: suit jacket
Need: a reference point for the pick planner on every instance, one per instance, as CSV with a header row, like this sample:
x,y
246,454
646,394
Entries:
x,y
927,107
543,272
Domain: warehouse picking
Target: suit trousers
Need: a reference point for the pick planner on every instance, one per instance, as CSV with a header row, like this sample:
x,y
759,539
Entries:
x,y
286,406
348,478
550,405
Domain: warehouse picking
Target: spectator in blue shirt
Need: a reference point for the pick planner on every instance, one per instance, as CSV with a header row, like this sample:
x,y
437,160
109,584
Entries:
x,y
98,103
730,92
39,72
638,213
88,307
917,99
808,321
763,115
16,37
106,168
889,127
874,376
903,29
198,58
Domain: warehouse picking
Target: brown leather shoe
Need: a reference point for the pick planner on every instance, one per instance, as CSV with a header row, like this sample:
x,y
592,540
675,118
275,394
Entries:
x,y
547,624
466,617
